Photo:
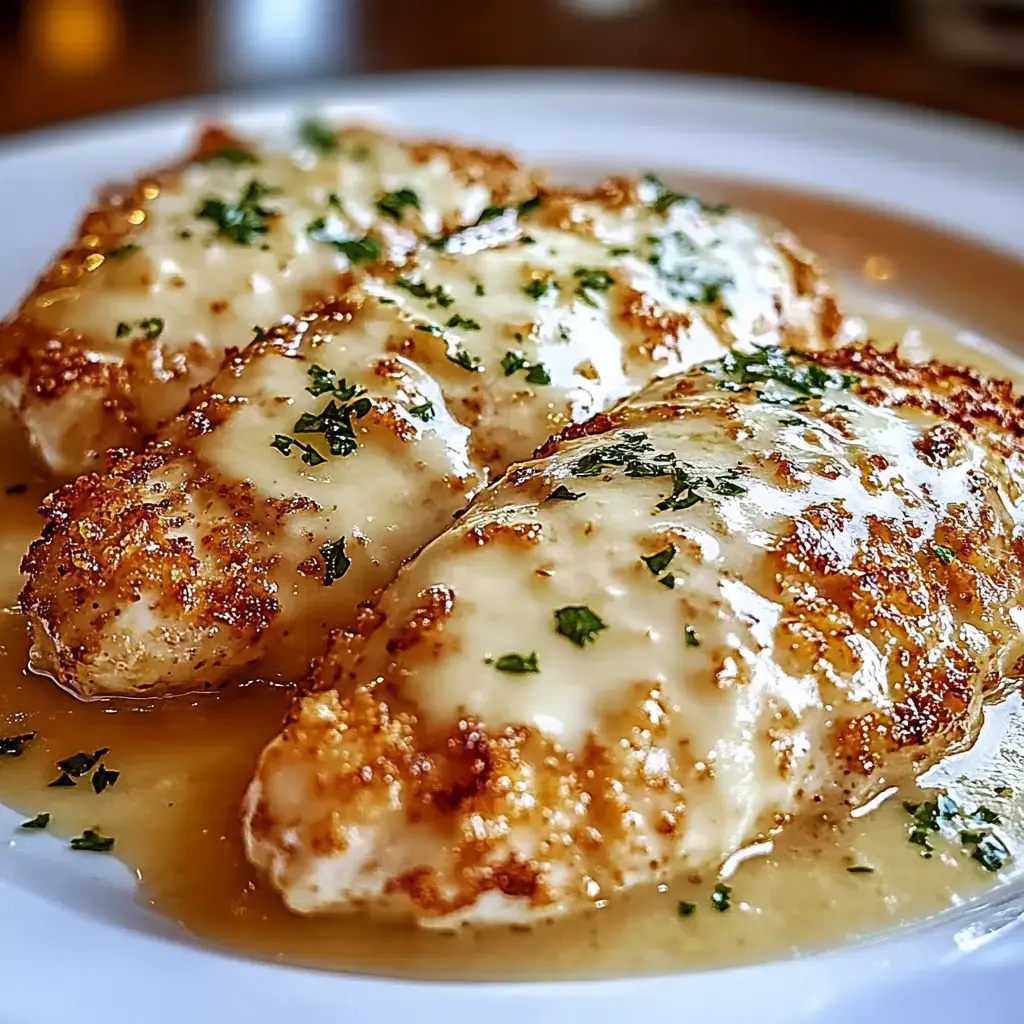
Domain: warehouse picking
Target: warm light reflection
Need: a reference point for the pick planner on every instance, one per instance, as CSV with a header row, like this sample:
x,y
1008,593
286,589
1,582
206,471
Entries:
x,y
73,36
879,268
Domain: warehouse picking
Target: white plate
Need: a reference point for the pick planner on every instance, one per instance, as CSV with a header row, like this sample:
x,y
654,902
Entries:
x,y
72,939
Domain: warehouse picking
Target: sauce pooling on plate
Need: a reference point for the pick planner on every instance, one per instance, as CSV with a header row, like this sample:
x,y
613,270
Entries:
x,y
173,815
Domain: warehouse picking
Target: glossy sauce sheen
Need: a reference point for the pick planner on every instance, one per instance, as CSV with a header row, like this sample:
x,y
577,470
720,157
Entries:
x,y
174,813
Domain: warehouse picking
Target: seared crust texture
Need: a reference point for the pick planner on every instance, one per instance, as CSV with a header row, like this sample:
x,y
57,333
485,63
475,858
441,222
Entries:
x,y
352,433
739,597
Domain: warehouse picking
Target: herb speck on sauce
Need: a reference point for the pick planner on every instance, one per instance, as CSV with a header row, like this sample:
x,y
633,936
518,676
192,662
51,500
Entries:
x,y
458,320
81,763
590,280
540,287
14,746
436,296
234,155
40,821
393,204
103,778
860,869
518,664
336,562
460,357
91,841
721,898
578,624
62,782
660,560
944,554
122,250
425,411
562,493
357,250
684,909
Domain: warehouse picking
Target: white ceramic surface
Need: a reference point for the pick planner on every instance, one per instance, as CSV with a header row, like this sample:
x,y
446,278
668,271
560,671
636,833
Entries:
x,y
72,939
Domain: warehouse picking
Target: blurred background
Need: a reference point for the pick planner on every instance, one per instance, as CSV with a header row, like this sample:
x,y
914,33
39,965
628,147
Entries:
x,y
61,59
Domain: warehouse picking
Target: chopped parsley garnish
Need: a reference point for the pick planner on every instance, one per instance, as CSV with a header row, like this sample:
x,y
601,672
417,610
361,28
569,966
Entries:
x,y
536,373
519,664
578,624
478,289
460,357
659,561
285,444
685,273
438,332
540,287
14,746
335,560
493,212
774,364
232,154
81,763
668,580
620,250
684,909
122,250
513,361
318,135
62,782
991,853
663,198
562,493
691,637
92,842
458,320
590,280
721,898
987,815
151,326
103,778
392,204
944,554
39,821
1003,790
685,485
424,412
356,250
243,221
860,869
334,421
436,296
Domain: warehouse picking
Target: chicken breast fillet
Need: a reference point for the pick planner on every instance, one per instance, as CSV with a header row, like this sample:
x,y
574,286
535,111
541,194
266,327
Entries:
x,y
748,590
168,273
338,443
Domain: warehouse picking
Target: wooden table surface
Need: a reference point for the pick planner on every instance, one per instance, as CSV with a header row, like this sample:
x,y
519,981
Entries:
x,y
62,59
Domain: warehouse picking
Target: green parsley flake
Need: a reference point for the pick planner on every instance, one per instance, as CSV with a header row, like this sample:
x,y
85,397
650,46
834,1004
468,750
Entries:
x,y
92,842
318,135
944,554
590,280
685,273
243,221
721,898
1003,790
684,909
61,782
336,562
578,624
14,746
458,320
393,204
356,250
424,412
562,493
38,822
81,763
519,664
690,636
540,287
436,296
991,853
662,198
659,561
860,869
668,580
152,327
774,364
103,778
511,362
231,154
122,330
460,357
